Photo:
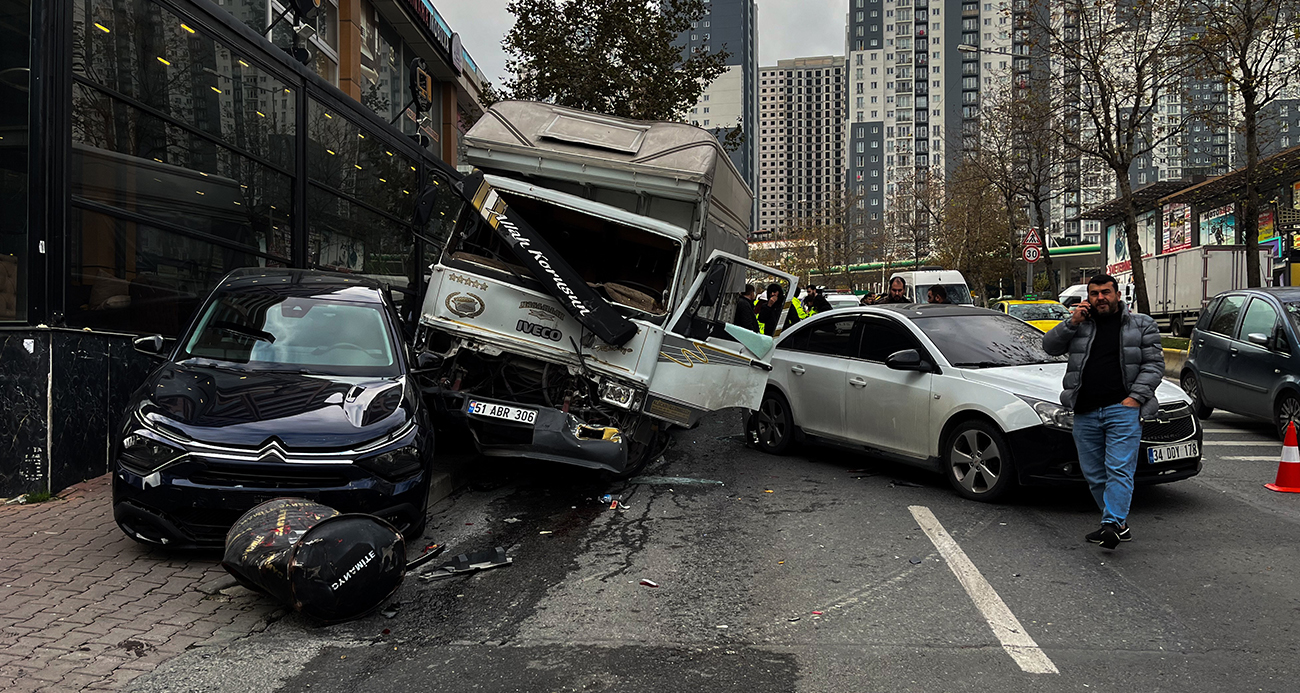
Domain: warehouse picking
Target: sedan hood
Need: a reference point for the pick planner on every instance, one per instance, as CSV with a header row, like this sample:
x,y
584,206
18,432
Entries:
x,y
247,408
1043,381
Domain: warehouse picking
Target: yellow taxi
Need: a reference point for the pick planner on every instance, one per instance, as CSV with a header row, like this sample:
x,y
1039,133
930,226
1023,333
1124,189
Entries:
x,y
1041,314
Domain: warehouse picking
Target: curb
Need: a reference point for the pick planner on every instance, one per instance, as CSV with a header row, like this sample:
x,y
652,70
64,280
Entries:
x,y
1174,360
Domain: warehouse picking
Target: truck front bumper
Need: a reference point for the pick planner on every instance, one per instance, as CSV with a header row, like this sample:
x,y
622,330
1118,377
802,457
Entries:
x,y
555,436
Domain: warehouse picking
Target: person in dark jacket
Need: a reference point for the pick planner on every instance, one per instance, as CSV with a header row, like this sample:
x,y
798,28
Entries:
x,y
1115,365
745,309
819,304
769,311
897,292
937,294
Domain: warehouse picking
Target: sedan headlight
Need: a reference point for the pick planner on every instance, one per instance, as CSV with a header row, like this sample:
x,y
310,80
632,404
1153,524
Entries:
x,y
394,465
1052,414
145,455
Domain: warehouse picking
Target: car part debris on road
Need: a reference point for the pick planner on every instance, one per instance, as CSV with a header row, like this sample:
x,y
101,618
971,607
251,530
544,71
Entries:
x,y
672,480
468,563
649,583
330,566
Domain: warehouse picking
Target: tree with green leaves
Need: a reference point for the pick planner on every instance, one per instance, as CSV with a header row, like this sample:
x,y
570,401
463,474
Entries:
x,y
609,56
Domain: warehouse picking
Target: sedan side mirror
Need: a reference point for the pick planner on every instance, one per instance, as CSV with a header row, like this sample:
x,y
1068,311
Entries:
x,y
1258,338
151,345
907,360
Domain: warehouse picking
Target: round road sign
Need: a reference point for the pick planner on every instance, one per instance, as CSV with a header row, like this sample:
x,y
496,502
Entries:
x,y
1032,253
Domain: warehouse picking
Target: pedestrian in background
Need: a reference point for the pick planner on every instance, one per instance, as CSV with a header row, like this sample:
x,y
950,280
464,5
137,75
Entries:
x,y
745,309
937,294
897,292
769,310
1115,365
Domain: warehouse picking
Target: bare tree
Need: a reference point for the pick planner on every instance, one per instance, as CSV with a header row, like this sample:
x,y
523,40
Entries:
x,y
1122,57
975,236
1253,46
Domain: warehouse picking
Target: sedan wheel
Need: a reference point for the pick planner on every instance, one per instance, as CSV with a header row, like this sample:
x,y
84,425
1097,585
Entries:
x,y
1287,411
978,462
1192,387
772,426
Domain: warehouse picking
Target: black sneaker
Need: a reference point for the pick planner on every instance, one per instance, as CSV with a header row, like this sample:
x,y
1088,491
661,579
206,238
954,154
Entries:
x,y
1109,536
1095,537
1125,534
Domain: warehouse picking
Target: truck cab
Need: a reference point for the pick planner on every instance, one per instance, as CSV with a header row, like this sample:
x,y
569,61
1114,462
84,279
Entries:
x,y
587,297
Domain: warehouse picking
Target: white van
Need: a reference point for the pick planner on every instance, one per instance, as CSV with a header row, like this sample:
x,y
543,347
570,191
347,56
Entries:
x,y
1073,295
920,281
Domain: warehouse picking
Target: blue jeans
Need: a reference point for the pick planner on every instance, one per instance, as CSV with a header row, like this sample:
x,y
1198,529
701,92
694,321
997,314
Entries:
x,y
1108,440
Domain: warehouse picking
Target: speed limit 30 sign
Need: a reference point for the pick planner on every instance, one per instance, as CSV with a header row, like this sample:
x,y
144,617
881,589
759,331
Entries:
x,y
1032,253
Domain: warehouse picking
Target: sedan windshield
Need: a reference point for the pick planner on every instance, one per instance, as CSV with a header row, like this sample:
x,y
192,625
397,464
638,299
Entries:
x,y
985,340
1038,311
306,334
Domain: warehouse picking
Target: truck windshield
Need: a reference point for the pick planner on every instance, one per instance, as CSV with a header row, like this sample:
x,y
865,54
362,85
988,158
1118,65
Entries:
x,y
986,340
630,267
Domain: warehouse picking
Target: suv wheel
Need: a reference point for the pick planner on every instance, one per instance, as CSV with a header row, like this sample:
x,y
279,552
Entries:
x,y
977,462
1287,410
772,426
1192,386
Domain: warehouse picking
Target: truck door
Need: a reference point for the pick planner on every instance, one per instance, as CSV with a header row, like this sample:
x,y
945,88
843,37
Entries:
x,y
706,361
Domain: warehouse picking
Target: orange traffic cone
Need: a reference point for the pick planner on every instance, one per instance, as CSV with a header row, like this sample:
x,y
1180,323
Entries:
x,y
1288,470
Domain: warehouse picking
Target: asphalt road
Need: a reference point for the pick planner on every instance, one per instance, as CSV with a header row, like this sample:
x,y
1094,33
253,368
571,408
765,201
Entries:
x,y
1205,598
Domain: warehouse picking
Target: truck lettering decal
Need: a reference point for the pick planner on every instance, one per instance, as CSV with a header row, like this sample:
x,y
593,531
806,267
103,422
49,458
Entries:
x,y
538,330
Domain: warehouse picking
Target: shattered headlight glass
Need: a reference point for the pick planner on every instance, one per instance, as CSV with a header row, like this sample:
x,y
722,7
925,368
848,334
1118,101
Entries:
x,y
617,394
144,455
1052,414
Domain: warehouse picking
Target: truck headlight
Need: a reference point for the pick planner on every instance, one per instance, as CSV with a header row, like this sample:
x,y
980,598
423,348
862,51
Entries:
x,y
145,455
1052,414
394,465
616,394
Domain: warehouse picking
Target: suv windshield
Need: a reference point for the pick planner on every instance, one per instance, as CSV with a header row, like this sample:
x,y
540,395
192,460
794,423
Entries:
x,y
1038,311
281,333
986,340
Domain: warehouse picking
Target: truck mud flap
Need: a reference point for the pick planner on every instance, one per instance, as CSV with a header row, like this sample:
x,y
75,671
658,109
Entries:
x,y
559,278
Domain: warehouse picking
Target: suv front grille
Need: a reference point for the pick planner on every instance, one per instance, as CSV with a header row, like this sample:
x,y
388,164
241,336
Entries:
x,y
1178,424
268,476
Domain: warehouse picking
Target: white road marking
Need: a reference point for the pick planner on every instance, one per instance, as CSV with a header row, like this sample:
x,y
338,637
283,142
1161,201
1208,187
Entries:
x,y
1006,627
1244,443
1251,458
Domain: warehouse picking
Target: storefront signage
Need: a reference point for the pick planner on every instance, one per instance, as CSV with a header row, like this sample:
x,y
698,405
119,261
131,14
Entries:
x,y
431,20
1177,227
1117,243
1219,226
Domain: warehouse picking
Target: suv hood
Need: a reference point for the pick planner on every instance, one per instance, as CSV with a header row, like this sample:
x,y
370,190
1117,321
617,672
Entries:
x,y
1043,381
247,408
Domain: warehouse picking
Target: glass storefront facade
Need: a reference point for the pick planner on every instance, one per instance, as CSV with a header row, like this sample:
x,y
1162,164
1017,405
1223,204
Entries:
x,y
193,148
15,68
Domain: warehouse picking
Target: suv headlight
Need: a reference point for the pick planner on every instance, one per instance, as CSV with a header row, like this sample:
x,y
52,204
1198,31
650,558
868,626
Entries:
x,y
394,465
144,455
1052,414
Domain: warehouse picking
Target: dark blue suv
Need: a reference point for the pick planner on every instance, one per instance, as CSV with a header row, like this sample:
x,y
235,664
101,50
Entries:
x,y
288,383
1244,356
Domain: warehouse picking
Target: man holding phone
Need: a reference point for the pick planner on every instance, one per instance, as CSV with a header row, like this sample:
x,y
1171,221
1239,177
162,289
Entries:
x,y
1115,365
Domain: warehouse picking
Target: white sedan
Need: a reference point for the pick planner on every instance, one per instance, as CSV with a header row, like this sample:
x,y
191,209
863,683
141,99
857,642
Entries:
x,y
963,391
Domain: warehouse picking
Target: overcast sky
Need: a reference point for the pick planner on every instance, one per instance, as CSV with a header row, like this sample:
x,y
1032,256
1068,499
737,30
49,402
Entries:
x,y
786,29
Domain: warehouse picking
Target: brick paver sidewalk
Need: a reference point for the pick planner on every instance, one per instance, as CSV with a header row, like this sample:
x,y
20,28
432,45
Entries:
x,y
84,607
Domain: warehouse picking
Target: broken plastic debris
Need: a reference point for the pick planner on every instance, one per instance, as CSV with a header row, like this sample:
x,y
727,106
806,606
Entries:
x,y
545,531
914,561
671,480
606,498
817,613
904,483
511,520
792,619
468,563
767,491
780,562
390,610
649,583
722,626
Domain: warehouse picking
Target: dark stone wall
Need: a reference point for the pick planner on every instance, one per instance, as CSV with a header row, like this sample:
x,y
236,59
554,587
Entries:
x,y
57,419
24,372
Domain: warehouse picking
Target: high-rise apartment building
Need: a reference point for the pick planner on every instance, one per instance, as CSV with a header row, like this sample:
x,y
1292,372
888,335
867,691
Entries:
x,y
730,101
801,142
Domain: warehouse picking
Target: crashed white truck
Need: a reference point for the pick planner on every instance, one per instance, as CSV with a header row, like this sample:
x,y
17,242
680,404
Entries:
x,y
586,300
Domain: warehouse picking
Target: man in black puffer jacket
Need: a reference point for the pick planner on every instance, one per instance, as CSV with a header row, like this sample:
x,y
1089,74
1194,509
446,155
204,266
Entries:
x,y
1116,363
